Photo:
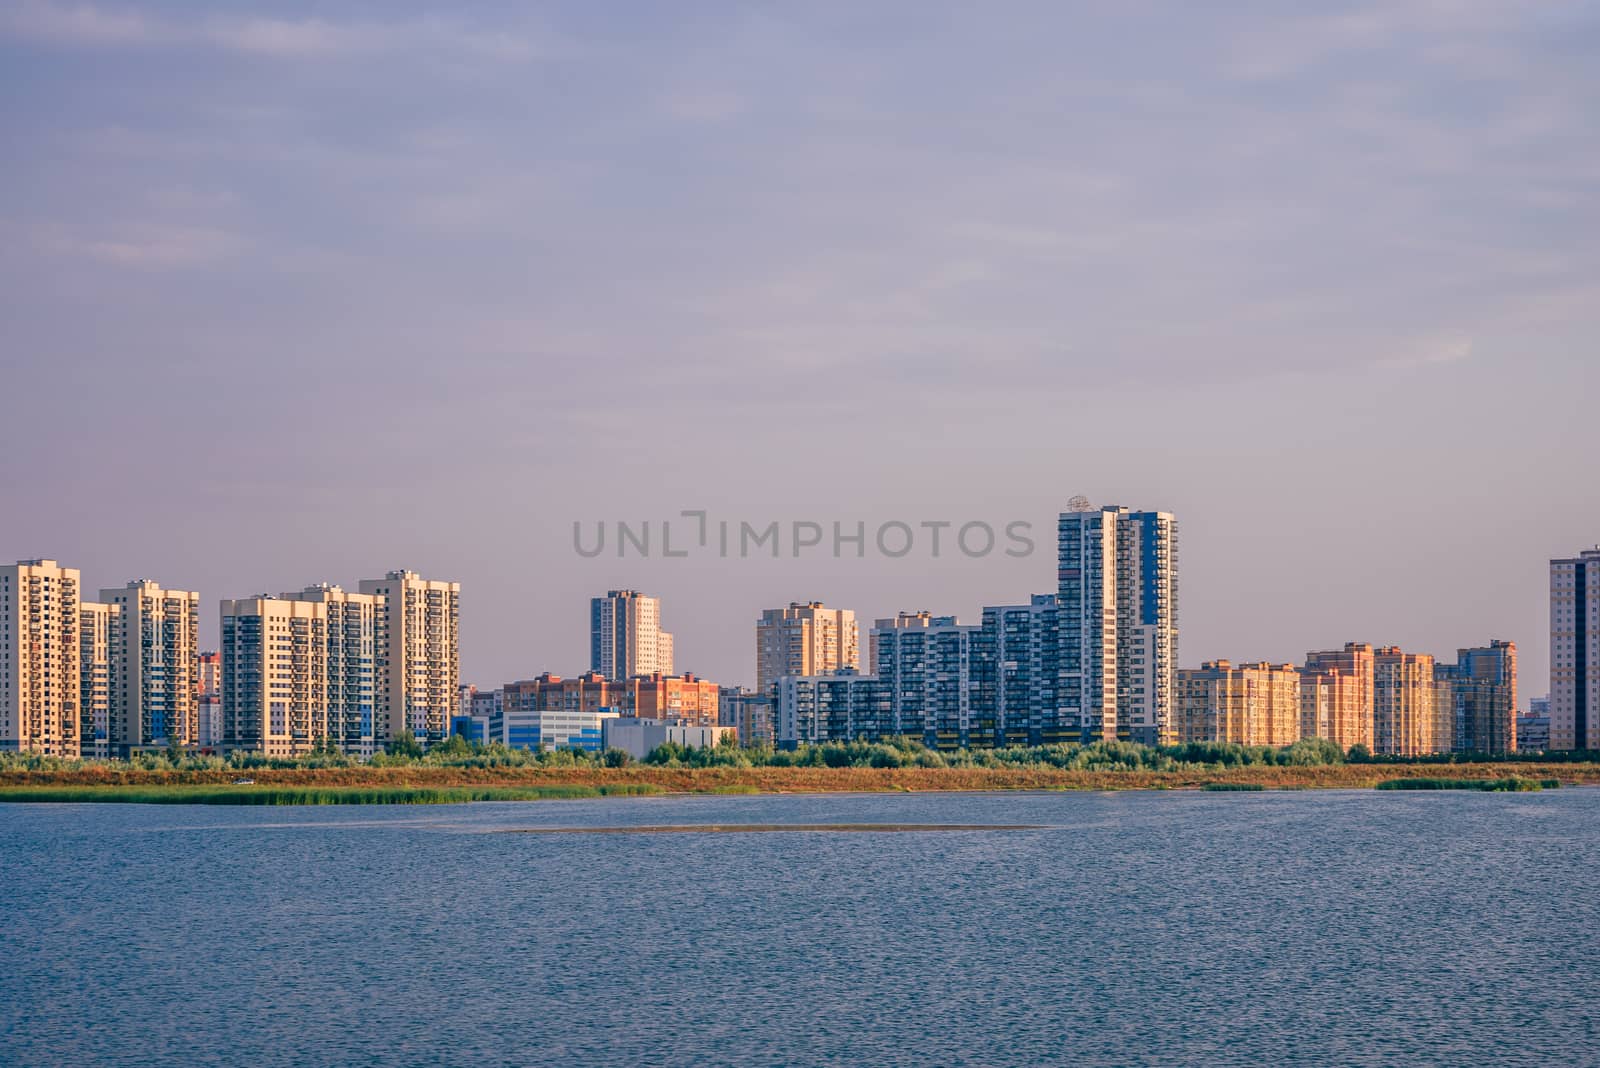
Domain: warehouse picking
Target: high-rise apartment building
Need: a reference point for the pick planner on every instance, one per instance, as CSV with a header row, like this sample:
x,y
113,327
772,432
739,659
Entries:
x,y
1480,692
897,622
209,699
97,667
1575,651
1117,574
747,712
1014,666
804,639
842,706
625,636
1336,695
41,685
418,657
300,671
1406,709
1251,704
154,641
932,696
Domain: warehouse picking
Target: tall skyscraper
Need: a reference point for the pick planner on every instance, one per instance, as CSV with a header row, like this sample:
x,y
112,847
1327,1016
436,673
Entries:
x,y
1575,651
1480,694
419,666
625,636
41,686
1117,574
804,639
97,667
154,642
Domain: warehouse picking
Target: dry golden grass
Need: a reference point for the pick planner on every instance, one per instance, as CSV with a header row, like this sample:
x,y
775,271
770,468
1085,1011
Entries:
x,y
818,780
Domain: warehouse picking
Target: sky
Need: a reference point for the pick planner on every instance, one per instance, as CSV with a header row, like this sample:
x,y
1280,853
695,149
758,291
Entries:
x,y
294,293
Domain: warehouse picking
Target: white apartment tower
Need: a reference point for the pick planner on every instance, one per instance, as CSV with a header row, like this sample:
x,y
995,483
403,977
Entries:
x,y
300,671
804,639
40,682
1575,651
625,636
97,669
154,642
418,653
1117,576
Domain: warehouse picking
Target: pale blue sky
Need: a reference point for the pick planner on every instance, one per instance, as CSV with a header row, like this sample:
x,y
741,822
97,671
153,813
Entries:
x,y
295,293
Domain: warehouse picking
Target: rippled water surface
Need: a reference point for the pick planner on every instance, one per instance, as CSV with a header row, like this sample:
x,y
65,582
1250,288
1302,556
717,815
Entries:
x,y
1335,928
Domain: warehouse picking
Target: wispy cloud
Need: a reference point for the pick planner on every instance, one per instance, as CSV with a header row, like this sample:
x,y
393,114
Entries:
x,y
145,245
89,26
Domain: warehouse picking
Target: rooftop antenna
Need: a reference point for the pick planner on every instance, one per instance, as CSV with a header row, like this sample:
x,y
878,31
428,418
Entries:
x,y
1080,503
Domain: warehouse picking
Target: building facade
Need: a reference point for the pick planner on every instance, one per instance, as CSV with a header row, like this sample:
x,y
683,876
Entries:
x,y
748,712
1015,664
1117,575
804,639
419,663
155,642
934,695
1575,651
97,624
637,736
625,636
41,684
209,700
1480,689
1336,695
685,698
842,706
1408,717
1251,704
301,671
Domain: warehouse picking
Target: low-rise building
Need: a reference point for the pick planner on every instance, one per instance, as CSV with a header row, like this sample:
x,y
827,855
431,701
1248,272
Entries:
x,y
638,736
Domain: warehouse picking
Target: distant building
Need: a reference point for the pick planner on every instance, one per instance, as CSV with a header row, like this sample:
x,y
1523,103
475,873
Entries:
x,y
843,706
1014,669
552,728
1117,573
638,736
1336,693
625,636
1251,704
1533,733
97,668
1575,651
208,702
927,673
896,622
747,712
155,689
418,653
804,639
686,698
1481,694
300,671
41,685
1407,718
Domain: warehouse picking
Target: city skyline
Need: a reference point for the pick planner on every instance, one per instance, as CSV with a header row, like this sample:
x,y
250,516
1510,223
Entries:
x,y
209,637
1330,271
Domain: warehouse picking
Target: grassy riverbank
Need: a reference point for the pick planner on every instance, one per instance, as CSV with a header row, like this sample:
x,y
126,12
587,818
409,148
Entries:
x,y
423,784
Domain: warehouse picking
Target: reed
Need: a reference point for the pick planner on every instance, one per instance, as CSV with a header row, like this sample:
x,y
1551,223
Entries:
x,y
1510,785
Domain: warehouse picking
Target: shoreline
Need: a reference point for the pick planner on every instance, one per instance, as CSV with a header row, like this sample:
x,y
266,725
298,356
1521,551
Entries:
x,y
423,784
